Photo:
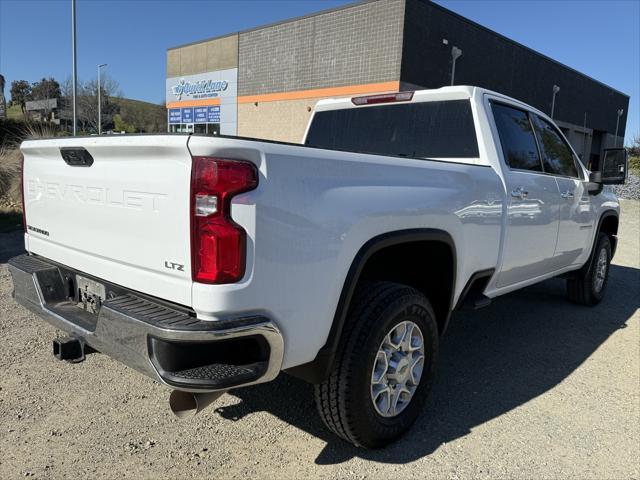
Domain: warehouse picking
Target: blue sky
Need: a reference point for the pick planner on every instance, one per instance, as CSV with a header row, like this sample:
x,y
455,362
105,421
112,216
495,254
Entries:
x,y
598,37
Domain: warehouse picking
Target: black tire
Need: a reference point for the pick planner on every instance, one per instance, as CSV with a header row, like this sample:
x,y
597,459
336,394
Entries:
x,y
344,399
582,287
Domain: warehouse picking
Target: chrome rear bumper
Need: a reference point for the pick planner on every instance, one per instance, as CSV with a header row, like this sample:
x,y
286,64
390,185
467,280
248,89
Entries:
x,y
162,341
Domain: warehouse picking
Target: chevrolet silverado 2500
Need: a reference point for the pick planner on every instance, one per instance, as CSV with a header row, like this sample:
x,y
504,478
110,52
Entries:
x,y
212,263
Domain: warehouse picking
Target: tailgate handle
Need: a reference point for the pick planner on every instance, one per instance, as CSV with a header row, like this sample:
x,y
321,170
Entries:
x,y
76,156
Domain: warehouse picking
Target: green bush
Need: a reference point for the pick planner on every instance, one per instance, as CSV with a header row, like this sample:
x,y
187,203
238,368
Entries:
x,y
120,125
634,164
12,132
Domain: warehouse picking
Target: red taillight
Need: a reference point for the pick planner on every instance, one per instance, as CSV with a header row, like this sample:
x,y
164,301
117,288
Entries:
x,y
383,98
218,244
24,206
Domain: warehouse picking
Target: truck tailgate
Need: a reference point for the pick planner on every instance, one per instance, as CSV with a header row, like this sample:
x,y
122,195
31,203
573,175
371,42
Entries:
x,y
124,218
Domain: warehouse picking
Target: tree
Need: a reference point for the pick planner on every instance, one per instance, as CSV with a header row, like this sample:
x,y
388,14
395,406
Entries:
x,y
634,149
120,125
20,93
87,102
45,89
634,155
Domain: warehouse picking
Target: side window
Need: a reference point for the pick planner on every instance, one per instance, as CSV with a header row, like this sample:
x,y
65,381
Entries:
x,y
557,157
517,139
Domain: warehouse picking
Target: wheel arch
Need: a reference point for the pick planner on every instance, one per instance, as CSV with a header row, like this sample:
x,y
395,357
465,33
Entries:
x,y
608,223
366,262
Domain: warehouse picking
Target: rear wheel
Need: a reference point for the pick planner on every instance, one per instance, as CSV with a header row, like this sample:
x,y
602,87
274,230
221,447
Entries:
x,y
587,285
384,367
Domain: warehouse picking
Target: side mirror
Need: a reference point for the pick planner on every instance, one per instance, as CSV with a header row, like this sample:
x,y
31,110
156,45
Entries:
x,y
594,185
613,169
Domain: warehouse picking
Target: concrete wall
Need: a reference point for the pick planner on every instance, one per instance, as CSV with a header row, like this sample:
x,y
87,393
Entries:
x,y
284,69
284,121
355,45
492,61
207,56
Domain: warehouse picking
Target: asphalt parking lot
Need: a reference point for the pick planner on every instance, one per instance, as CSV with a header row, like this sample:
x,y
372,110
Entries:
x,y
529,387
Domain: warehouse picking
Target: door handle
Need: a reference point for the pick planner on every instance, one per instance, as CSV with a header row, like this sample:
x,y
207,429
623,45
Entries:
x,y
520,193
567,194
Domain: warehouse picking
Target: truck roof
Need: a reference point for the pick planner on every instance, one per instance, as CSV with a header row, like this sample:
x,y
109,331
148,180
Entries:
x,y
457,92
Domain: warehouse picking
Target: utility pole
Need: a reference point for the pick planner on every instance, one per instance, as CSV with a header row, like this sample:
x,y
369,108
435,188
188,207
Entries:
x,y
615,138
75,70
455,54
100,99
585,159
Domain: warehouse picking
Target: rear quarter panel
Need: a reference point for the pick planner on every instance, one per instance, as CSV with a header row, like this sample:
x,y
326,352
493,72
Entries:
x,y
314,209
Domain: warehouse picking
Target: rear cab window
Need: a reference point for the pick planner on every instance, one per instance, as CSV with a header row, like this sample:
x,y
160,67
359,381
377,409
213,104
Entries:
x,y
422,130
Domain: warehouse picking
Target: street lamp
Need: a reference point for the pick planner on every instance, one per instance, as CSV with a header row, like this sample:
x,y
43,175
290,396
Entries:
x,y
100,100
74,77
455,54
615,138
556,89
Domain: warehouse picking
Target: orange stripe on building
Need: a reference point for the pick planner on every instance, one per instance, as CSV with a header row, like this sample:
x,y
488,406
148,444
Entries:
x,y
194,103
323,92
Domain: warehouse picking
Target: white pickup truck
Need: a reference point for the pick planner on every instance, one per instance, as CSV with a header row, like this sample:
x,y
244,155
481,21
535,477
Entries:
x,y
212,263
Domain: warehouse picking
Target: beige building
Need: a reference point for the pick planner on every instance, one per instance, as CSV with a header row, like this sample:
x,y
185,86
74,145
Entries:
x,y
274,75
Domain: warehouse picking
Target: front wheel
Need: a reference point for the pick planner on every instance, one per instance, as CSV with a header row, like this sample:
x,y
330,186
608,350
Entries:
x,y
587,285
384,367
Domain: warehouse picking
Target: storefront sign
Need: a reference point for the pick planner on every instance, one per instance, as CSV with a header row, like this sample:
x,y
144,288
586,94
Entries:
x,y
203,98
194,115
213,114
200,114
175,115
198,89
202,86
187,115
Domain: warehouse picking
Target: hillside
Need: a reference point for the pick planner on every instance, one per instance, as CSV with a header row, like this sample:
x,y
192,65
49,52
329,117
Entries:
x,y
144,116
14,113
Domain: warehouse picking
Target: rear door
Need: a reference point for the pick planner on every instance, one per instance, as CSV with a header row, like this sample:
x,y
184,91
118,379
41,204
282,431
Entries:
x,y
576,216
532,210
123,218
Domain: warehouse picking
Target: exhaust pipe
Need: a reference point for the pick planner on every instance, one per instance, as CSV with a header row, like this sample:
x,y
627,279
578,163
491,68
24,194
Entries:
x,y
187,404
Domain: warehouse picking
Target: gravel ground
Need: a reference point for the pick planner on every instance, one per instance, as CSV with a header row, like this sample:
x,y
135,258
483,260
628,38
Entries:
x,y
631,189
529,387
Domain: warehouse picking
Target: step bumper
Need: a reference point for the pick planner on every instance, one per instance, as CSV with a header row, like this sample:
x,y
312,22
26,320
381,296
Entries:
x,y
163,341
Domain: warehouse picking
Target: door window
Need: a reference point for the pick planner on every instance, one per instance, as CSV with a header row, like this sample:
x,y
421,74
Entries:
x,y
557,157
517,138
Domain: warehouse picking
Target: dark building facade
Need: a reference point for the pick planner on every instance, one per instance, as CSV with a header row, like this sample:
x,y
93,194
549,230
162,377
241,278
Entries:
x,y
265,81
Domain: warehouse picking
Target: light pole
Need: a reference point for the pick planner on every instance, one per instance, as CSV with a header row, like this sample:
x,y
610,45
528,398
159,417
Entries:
x,y
74,76
556,89
455,54
615,138
100,100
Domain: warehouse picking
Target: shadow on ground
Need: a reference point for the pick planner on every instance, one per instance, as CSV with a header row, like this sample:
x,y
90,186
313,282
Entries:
x,y
492,361
11,244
